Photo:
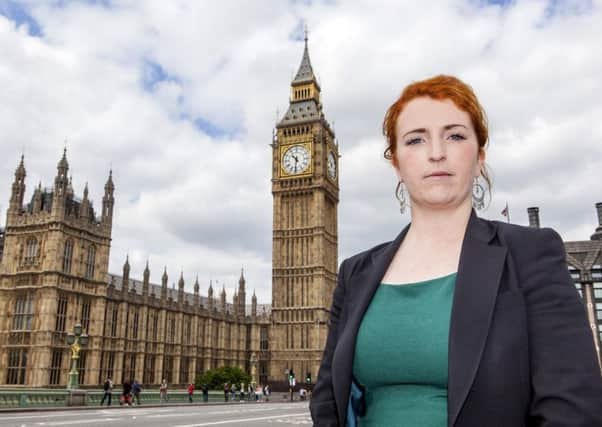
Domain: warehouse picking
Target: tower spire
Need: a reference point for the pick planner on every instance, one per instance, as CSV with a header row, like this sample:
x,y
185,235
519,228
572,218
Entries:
x,y
18,189
305,73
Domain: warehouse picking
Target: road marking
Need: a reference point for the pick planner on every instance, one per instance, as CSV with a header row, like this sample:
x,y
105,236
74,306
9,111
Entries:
x,y
64,423
70,414
243,420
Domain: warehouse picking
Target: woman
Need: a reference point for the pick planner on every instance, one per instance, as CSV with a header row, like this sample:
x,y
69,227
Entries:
x,y
163,391
459,321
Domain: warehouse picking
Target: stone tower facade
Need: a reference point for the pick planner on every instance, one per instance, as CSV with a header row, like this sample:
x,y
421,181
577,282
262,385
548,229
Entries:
x,y
55,264
305,189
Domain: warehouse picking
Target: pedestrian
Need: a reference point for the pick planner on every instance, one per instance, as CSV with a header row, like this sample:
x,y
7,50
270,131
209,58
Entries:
x,y
190,392
108,391
258,392
232,392
163,391
205,393
266,392
498,332
242,392
126,396
301,393
136,389
226,390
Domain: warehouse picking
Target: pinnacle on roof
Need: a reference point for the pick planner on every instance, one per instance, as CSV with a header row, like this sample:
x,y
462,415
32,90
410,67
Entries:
x,y
63,164
305,72
21,168
109,186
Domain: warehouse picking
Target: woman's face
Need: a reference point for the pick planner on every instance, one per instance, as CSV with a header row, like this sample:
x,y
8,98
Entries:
x,y
437,155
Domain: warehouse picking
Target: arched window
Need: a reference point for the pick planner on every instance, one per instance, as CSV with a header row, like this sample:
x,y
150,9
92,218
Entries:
x,y
67,256
33,249
90,262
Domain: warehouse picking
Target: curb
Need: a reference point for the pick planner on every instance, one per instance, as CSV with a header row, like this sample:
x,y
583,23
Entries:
x,y
150,405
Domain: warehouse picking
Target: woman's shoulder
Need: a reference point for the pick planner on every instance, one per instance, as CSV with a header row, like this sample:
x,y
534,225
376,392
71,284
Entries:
x,y
364,257
526,238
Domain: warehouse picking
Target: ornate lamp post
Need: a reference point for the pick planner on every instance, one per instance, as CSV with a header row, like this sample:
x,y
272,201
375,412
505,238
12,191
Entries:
x,y
76,341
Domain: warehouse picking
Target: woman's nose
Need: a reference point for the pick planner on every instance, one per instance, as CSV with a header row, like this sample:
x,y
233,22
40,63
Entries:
x,y
436,149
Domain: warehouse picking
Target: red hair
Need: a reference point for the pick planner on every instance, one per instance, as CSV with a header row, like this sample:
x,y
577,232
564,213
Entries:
x,y
440,88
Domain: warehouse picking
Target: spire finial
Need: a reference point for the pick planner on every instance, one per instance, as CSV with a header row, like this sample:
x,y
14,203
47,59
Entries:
x,y
306,31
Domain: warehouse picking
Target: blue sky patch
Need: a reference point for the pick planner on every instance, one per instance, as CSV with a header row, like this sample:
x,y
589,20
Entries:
x,y
502,3
568,8
209,128
20,15
154,73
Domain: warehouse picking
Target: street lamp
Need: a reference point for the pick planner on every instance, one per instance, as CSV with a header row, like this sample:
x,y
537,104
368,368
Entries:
x,y
76,341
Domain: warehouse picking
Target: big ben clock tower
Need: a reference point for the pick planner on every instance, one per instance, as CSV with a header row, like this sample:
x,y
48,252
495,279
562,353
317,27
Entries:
x,y
305,188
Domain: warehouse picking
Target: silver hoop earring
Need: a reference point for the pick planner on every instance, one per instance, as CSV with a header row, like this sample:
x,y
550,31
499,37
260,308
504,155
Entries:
x,y
400,194
478,195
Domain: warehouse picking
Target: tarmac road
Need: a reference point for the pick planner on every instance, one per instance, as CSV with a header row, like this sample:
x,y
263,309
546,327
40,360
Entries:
x,y
234,414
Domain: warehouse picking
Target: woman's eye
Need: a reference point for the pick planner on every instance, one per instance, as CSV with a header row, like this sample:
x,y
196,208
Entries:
x,y
413,141
457,137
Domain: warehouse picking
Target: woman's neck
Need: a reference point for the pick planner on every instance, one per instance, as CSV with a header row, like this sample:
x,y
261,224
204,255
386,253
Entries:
x,y
438,226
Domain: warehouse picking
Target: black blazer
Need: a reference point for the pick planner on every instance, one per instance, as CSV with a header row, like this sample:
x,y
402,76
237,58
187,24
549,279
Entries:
x,y
520,352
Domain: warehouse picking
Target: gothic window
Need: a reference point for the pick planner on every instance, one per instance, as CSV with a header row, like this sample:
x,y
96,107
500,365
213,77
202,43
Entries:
x,y
201,333
186,330
61,314
199,367
23,313
228,336
134,334
90,260
149,369
172,328
67,256
55,367
151,325
113,312
184,365
168,368
263,372
32,251
155,326
107,361
215,336
263,338
81,367
85,318
17,364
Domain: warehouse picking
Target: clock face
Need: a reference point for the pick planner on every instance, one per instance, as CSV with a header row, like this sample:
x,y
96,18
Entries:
x,y
296,160
332,165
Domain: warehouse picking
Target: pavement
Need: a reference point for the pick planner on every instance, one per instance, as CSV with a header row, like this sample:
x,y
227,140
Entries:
x,y
248,414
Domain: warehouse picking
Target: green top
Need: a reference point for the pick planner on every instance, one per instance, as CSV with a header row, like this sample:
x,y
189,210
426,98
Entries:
x,y
401,354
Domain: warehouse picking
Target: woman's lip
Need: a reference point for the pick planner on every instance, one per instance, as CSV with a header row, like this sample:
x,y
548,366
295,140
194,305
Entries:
x,y
438,175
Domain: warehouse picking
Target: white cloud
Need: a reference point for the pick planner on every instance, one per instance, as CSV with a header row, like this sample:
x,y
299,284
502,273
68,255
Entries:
x,y
202,203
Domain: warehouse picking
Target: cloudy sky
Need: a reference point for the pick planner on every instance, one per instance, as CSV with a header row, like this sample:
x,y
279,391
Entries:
x,y
180,98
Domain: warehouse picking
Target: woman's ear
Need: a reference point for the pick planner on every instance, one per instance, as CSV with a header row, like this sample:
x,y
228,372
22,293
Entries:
x,y
480,162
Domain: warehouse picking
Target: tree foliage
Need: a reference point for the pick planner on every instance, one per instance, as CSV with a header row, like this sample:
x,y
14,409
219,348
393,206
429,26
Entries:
x,y
215,378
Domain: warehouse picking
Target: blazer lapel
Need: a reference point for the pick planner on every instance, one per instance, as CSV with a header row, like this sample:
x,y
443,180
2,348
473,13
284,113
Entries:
x,y
477,282
362,285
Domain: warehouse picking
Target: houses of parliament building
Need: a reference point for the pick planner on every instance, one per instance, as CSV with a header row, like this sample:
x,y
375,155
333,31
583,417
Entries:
x,y
54,258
